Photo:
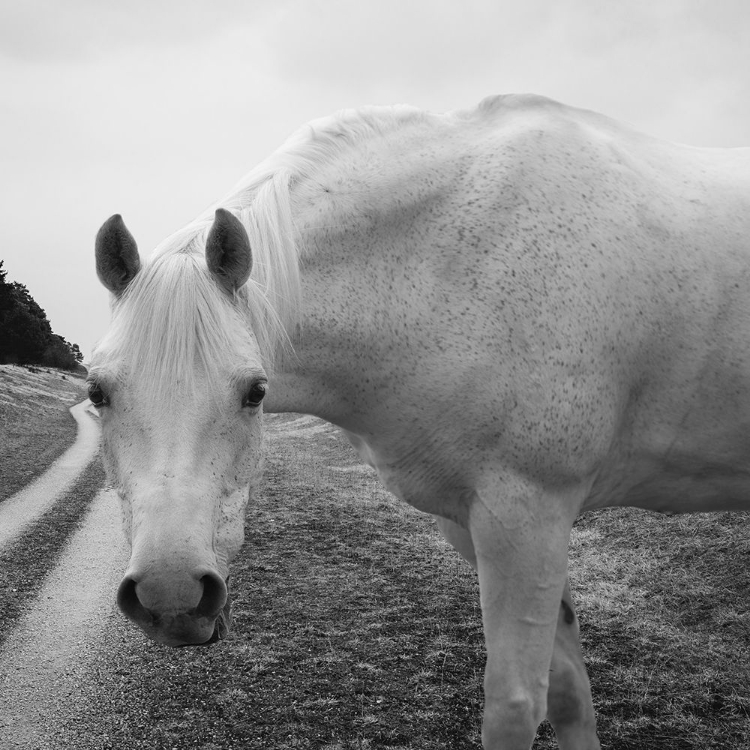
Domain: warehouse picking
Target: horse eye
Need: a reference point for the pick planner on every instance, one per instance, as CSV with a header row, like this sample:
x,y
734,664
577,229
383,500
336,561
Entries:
x,y
97,396
255,395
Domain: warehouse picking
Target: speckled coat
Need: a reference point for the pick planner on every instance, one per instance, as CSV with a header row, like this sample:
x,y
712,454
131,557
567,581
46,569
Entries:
x,y
517,313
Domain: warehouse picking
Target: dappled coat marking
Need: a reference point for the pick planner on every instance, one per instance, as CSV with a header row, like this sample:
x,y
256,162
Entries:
x,y
515,313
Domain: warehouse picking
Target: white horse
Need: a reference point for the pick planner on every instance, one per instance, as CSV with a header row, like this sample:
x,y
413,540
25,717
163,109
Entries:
x,y
516,313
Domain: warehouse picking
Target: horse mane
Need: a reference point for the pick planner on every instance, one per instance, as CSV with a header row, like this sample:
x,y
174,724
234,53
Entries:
x,y
262,201
175,290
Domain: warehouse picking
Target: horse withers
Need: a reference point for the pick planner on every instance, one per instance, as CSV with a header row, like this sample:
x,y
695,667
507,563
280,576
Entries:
x,y
515,313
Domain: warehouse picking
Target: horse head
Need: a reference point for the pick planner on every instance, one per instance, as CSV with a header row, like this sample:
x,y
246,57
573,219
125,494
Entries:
x,y
178,382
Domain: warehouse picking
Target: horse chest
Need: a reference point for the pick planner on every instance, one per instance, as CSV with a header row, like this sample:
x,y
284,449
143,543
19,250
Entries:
x,y
411,477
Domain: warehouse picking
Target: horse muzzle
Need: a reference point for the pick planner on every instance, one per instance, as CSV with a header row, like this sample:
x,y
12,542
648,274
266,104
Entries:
x,y
187,610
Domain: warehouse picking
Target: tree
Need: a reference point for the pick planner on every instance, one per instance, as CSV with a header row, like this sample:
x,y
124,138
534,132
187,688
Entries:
x,y
26,336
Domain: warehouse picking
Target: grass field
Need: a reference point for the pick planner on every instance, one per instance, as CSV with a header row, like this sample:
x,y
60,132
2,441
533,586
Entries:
x,y
35,425
665,610
356,627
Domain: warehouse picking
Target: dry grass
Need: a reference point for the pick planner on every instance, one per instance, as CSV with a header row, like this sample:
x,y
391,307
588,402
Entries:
x,y
665,611
35,424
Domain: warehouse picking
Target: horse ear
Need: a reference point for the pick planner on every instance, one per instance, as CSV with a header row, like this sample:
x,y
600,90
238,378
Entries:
x,y
228,252
117,260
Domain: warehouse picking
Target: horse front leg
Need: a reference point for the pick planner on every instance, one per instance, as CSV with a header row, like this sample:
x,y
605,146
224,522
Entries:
x,y
570,709
516,537
521,559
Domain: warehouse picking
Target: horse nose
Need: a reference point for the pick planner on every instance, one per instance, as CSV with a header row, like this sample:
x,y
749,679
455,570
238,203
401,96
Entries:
x,y
175,610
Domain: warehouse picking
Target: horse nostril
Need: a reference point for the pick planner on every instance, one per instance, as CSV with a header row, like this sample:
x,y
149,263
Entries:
x,y
128,602
214,596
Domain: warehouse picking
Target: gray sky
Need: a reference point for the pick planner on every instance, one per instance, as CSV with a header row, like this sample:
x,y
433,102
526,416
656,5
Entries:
x,y
155,108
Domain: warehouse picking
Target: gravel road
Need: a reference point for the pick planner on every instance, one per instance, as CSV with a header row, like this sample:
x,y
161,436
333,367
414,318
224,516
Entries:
x,y
20,510
43,661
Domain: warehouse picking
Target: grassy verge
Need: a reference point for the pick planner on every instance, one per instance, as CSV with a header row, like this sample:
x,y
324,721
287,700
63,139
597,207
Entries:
x,y
665,611
35,424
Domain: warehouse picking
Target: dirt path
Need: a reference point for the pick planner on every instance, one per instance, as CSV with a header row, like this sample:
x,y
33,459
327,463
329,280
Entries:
x,y
44,661
23,508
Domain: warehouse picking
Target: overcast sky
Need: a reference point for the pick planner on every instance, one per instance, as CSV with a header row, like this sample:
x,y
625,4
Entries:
x,y
155,108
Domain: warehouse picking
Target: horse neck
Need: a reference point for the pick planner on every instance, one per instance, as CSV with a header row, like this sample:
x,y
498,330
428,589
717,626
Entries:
x,y
368,264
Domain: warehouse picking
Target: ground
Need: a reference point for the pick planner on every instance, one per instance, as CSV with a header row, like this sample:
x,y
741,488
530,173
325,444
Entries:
x,y
355,626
